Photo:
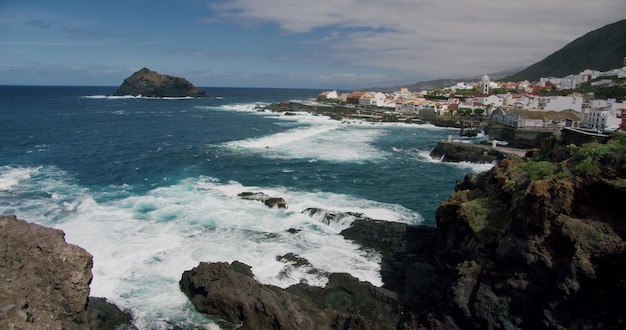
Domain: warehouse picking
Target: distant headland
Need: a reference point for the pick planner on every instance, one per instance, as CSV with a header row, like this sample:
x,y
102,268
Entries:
x,y
146,82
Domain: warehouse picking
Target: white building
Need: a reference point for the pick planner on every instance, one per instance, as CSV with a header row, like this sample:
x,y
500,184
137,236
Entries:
x,y
490,100
328,95
560,103
484,84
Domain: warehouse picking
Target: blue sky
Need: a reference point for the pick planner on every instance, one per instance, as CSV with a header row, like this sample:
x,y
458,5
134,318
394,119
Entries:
x,y
345,44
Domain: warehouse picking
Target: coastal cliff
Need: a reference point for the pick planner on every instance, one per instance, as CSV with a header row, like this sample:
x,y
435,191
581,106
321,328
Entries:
x,y
148,83
45,282
534,243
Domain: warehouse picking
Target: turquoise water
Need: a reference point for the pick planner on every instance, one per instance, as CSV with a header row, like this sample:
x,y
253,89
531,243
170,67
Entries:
x,y
149,186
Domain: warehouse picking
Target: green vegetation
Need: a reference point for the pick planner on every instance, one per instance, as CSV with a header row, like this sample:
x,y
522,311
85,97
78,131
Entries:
x,y
596,159
618,91
487,212
486,217
520,176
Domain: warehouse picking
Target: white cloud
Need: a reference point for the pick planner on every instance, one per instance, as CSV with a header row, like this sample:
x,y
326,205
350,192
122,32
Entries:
x,y
433,38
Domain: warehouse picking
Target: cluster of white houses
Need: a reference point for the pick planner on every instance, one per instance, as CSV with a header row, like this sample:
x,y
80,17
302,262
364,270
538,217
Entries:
x,y
523,108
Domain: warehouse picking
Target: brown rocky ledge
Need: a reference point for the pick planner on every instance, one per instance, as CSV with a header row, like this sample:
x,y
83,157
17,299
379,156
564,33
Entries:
x,y
534,243
44,282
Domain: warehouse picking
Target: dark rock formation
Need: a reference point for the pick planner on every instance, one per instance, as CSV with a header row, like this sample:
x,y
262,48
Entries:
x,y
267,200
466,152
104,315
231,292
44,281
151,84
328,217
534,243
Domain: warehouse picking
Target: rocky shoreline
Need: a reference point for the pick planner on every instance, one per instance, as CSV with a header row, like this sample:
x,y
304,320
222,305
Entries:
x,y
347,113
473,153
530,244
533,243
445,150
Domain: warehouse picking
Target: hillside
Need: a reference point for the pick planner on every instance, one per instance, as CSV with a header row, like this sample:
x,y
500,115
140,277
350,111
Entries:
x,y
602,49
444,82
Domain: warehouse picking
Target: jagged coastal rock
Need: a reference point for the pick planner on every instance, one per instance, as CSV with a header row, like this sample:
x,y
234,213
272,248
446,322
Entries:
x,y
44,281
277,202
230,291
466,152
148,83
534,243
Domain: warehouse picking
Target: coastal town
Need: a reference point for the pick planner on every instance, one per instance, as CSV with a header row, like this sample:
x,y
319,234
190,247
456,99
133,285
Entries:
x,y
548,104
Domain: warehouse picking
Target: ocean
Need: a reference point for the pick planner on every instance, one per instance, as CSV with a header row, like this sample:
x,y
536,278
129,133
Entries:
x,y
149,186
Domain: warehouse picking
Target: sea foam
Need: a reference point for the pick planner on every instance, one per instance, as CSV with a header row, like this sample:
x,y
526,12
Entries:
x,y
141,243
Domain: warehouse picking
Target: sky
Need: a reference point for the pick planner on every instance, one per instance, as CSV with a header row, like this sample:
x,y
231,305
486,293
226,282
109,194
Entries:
x,y
322,44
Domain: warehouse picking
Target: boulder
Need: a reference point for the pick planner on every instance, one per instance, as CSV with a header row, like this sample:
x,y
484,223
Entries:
x,y
148,83
231,292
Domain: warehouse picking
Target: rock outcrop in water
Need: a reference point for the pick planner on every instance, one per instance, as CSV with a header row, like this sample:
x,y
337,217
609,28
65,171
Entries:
x,y
230,291
277,202
534,243
466,152
148,83
44,282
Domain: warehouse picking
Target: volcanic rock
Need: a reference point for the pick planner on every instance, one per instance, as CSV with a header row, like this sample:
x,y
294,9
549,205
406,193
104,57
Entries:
x,y
328,217
44,281
231,292
465,152
148,83
533,243
261,197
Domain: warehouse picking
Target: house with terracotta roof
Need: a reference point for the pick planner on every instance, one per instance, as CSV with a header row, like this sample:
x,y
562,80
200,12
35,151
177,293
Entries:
x,y
354,97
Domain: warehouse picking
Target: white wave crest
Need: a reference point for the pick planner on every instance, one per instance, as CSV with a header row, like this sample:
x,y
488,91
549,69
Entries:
x,y
142,242
473,167
12,176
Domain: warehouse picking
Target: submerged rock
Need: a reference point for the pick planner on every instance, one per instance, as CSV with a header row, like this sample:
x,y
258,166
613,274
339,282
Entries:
x,y
146,82
277,202
329,217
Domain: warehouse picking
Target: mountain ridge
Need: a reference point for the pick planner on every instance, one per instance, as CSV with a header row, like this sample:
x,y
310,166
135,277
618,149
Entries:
x,y
602,49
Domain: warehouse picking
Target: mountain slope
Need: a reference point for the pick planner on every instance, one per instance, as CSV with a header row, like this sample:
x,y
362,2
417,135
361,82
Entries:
x,y
602,49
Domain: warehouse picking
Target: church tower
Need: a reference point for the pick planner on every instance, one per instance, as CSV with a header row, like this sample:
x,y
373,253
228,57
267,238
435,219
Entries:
x,y
484,85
